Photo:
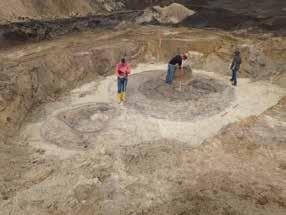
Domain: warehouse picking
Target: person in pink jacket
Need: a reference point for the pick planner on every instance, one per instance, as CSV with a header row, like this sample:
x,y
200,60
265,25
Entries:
x,y
122,71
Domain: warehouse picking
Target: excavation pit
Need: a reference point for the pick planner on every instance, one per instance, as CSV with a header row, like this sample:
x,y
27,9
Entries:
x,y
183,100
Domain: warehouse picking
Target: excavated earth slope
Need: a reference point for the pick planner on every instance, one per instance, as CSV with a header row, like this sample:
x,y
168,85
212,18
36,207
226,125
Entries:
x,y
17,10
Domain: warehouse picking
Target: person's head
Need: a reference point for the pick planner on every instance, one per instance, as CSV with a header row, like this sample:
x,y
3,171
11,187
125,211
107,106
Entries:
x,y
123,61
237,52
184,56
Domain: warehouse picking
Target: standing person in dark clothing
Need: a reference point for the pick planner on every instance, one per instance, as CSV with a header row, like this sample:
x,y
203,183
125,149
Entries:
x,y
235,66
177,60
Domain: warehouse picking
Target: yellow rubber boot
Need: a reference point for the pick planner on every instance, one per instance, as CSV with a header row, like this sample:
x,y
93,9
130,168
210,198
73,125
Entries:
x,y
119,96
123,96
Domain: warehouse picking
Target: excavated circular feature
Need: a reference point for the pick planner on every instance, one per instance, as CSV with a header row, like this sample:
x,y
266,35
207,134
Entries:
x,y
90,118
200,96
194,90
77,127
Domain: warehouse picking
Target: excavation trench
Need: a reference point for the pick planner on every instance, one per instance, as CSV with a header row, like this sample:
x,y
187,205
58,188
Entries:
x,y
158,153
115,156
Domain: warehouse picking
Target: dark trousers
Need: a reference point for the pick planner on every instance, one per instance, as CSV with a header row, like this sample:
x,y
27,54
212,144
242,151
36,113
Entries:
x,y
121,84
234,76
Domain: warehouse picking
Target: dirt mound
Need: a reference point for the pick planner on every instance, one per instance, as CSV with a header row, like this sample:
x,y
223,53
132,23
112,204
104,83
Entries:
x,y
172,14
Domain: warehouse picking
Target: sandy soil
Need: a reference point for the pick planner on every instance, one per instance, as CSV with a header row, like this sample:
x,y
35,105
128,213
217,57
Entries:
x,y
95,156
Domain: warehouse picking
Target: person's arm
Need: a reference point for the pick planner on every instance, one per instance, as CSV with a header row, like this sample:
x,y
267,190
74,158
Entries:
x,y
232,64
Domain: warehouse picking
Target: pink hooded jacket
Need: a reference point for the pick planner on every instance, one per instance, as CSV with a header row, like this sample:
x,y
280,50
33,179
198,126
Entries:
x,y
122,70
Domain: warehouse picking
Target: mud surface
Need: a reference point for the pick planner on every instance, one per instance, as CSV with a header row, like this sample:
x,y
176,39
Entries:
x,y
251,17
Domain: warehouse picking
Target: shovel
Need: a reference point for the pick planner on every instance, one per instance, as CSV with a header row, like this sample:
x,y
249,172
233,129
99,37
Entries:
x,y
181,78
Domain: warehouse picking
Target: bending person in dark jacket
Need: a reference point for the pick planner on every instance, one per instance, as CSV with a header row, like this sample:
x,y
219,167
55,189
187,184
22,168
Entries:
x,y
235,66
177,60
